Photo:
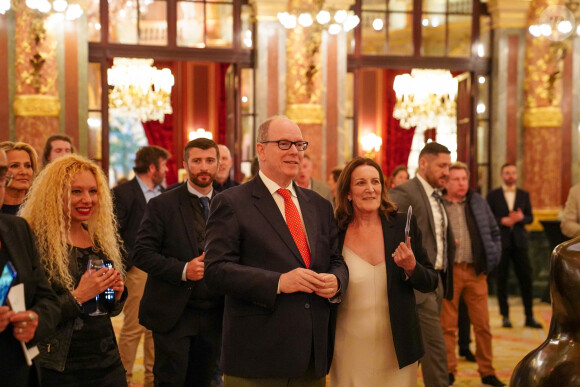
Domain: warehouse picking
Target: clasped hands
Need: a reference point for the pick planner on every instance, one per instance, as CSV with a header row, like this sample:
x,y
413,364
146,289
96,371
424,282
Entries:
x,y
24,323
404,257
513,218
304,280
94,282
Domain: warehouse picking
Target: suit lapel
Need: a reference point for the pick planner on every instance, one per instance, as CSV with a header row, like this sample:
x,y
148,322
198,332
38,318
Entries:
x,y
266,205
427,204
187,216
389,233
506,208
309,215
138,193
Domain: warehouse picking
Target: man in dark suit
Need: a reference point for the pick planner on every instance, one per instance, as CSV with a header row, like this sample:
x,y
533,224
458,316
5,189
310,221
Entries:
x,y
272,248
513,210
42,308
130,199
177,306
423,192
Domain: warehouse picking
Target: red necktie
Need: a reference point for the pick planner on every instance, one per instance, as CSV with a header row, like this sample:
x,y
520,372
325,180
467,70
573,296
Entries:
x,y
295,225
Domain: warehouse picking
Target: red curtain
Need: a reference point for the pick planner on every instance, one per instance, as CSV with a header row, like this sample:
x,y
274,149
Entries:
x,y
397,141
161,134
222,107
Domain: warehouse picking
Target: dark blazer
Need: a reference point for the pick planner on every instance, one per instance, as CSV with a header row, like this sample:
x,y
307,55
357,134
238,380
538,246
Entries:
x,y
165,242
130,205
412,193
499,207
402,307
18,242
248,247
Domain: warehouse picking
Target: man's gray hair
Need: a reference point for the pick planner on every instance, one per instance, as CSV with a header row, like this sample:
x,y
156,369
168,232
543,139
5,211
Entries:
x,y
264,126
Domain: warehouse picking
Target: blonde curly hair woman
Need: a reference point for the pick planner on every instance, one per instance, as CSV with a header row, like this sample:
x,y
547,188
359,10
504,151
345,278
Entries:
x,y
70,211
22,167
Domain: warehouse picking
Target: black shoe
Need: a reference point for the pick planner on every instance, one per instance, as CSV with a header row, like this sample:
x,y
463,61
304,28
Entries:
x,y
506,323
451,379
532,323
492,380
467,354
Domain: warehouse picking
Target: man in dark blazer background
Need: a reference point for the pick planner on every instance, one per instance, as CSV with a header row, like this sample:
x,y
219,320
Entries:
x,y
130,200
272,248
177,306
513,210
423,193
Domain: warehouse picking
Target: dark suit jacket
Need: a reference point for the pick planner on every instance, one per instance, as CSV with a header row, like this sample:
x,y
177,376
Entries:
x,y
402,308
248,247
130,205
499,207
412,193
165,242
17,239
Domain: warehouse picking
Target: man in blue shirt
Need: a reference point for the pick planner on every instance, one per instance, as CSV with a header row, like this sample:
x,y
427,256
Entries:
x,y
130,199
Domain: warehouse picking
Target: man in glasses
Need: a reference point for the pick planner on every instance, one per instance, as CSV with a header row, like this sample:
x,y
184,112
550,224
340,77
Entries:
x,y
272,249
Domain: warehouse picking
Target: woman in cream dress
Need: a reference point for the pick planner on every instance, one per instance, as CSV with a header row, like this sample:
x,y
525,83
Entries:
x,y
378,339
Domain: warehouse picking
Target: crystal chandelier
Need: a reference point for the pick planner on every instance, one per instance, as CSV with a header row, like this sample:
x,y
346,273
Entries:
x,y
58,10
340,20
424,97
139,90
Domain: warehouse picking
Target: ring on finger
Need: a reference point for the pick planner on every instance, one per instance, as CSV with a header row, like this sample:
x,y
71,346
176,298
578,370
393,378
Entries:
x,y
31,316
19,330
23,324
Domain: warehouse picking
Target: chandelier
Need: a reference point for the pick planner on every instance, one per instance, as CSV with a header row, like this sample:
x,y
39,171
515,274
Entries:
x,y
139,90
557,22
59,10
424,97
340,20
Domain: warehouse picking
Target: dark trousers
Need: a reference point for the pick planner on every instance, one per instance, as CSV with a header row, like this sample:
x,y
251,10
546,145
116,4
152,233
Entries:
x,y
463,325
187,354
523,270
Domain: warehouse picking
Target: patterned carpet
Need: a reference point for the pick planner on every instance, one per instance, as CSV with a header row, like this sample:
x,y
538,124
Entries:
x,y
509,345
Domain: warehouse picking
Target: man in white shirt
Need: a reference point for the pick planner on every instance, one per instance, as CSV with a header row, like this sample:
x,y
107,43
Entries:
x,y
512,209
423,193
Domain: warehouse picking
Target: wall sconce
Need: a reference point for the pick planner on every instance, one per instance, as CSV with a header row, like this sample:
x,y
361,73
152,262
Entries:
x,y
199,133
371,144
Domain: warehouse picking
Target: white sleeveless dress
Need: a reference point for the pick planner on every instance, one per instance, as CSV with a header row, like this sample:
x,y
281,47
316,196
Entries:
x,y
364,353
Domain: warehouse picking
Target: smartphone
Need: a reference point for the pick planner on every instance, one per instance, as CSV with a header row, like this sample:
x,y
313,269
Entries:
x,y
109,293
6,279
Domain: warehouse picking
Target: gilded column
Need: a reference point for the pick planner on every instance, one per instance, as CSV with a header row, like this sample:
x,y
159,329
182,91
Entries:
x,y
304,79
36,104
542,116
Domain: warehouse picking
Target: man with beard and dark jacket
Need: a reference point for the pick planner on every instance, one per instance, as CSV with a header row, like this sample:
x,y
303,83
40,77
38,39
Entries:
x,y
478,249
185,317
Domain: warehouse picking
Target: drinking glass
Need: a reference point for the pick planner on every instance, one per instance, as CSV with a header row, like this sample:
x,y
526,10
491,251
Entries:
x,y
96,264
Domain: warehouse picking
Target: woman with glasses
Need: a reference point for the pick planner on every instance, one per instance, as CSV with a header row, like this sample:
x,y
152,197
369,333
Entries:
x,y
378,339
22,167
70,211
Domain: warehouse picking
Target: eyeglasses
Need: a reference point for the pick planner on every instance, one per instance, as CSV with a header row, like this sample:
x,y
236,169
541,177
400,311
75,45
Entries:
x,y
285,144
6,179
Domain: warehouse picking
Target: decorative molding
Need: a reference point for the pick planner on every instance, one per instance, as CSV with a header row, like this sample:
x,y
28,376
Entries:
x,y
509,13
543,117
36,105
543,214
303,113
